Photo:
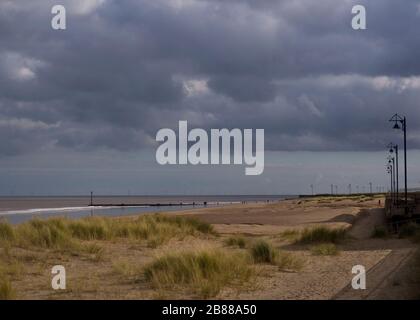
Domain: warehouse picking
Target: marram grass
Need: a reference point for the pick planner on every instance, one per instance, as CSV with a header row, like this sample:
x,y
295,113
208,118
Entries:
x,y
321,235
205,271
63,234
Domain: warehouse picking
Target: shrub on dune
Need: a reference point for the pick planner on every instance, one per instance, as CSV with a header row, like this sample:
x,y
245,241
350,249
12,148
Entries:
x,y
236,241
263,252
321,235
51,233
205,271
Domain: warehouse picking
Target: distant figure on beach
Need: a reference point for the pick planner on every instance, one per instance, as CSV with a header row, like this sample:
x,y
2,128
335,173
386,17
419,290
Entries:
x,y
379,202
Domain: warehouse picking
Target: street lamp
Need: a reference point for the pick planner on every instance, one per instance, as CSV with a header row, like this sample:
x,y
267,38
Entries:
x,y
389,170
391,161
394,147
398,120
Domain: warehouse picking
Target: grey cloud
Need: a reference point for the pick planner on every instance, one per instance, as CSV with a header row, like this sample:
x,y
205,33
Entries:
x,y
294,68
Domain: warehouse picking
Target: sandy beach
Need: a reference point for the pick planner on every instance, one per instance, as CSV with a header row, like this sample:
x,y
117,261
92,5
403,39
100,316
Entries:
x,y
114,270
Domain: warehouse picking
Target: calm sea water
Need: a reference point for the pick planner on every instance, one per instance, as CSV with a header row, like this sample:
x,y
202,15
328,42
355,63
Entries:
x,y
21,209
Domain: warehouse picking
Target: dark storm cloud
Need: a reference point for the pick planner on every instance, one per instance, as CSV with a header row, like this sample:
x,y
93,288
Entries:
x,y
124,69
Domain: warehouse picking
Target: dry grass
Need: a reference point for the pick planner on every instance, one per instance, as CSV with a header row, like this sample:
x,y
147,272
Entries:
x,y
6,290
264,252
64,234
291,235
204,271
6,232
236,241
128,270
36,241
325,249
9,268
28,249
321,235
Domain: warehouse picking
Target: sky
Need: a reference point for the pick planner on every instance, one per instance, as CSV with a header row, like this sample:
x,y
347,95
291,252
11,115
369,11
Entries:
x,y
80,108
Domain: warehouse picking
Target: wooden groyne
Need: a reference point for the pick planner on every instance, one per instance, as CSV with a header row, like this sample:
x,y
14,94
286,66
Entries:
x,y
186,204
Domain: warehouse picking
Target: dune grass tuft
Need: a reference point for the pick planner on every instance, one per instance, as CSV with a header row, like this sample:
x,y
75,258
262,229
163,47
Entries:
x,y
6,232
63,234
325,249
205,271
51,233
236,241
321,235
263,252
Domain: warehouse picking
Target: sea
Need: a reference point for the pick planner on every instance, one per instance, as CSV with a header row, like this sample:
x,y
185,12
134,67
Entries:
x,y
18,209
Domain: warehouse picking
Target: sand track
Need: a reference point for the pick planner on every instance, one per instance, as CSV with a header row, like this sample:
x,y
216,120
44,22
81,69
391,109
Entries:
x,y
382,277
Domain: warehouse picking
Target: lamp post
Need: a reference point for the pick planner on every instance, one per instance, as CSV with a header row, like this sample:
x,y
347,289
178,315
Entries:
x,y
389,170
392,148
391,161
397,119
312,189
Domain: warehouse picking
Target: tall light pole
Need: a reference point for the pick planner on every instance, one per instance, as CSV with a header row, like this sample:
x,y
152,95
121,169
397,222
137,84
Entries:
x,y
332,189
349,188
392,148
336,189
370,187
312,189
391,161
397,119
389,170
